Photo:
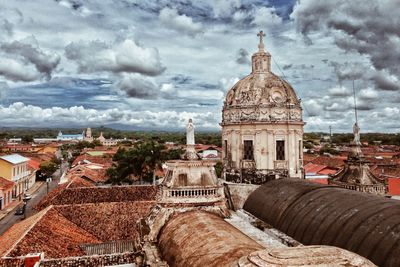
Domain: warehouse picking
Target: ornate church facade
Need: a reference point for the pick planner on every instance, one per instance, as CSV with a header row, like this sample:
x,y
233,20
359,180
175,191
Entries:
x,y
262,126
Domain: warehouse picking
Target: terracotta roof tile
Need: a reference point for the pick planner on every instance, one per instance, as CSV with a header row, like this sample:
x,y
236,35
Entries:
x,y
35,164
108,221
313,168
14,234
80,182
81,195
54,235
59,230
4,183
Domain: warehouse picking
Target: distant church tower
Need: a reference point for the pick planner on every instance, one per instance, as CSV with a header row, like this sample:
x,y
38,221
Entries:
x,y
88,135
262,126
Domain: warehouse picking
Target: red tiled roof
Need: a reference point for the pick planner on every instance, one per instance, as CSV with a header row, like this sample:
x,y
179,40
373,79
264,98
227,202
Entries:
x,y
108,221
79,182
94,175
394,186
14,234
59,231
328,171
335,162
313,168
5,184
81,195
319,180
201,147
34,164
106,161
54,235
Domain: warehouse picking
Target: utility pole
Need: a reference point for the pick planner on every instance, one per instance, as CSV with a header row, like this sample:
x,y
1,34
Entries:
x,y
330,133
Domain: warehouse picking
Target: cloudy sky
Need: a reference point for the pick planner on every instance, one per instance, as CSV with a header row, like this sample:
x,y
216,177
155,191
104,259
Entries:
x,y
154,64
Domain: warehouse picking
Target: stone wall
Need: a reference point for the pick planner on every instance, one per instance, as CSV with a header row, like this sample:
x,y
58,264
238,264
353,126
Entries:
x,y
239,193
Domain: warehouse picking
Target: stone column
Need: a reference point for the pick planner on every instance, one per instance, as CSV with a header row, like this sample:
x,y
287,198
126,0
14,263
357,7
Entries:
x,y
271,149
258,149
265,149
291,153
238,148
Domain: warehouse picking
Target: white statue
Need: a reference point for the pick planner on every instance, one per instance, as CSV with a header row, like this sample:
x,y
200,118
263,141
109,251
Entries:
x,y
190,133
356,132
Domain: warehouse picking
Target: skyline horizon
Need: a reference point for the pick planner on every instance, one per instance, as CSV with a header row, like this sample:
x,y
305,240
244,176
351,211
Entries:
x,y
97,63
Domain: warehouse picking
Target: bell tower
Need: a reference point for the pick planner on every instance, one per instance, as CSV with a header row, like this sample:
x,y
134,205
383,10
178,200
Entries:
x,y
262,126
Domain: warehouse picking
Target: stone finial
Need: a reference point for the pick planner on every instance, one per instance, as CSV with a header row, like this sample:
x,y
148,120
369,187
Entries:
x,y
261,34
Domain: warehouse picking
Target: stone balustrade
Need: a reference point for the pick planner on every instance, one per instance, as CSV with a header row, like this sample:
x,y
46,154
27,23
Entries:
x,y
375,188
193,192
280,164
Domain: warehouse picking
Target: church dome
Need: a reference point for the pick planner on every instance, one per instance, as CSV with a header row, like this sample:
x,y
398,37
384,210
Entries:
x,y
262,95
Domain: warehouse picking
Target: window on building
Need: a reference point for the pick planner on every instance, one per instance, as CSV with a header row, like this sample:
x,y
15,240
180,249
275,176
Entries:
x,y
248,150
182,179
226,148
280,150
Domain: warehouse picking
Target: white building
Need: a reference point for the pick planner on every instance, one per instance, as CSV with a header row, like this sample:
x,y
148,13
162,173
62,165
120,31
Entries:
x,y
107,142
69,137
262,126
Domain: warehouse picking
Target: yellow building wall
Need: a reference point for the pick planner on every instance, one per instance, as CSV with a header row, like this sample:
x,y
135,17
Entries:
x,y
6,169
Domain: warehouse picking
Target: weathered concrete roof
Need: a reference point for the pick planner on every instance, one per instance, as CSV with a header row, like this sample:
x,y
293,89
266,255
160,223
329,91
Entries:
x,y
198,238
304,256
316,214
14,158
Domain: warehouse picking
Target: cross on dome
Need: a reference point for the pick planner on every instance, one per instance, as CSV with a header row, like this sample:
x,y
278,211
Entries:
x,y
261,34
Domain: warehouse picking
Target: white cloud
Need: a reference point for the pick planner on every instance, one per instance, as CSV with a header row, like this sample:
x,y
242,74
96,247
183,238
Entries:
x,y
125,56
17,71
368,94
313,108
167,88
339,91
266,17
118,40
181,23
19,114
224,8
31,54
226,84
138,86
370,29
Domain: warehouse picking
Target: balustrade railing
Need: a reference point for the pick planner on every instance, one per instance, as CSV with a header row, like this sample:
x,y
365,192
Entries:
x,y
208,192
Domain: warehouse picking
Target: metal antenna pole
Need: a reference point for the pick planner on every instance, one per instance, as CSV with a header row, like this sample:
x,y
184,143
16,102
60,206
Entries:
x,y
355,103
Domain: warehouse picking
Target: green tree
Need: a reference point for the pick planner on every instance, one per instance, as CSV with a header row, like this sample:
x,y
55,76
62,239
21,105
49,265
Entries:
x,y
141,161
48,168
218,169
96,143
26,139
